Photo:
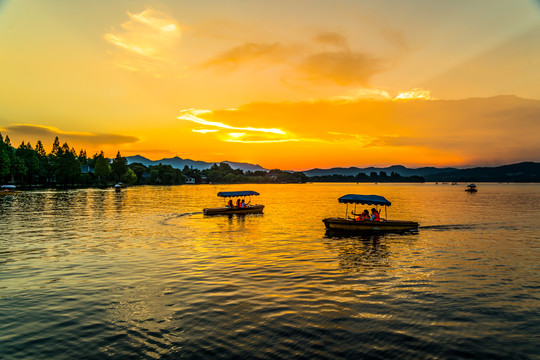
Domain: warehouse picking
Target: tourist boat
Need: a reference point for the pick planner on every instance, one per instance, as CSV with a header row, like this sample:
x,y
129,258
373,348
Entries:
x,y
228,210
118,187
8,190
471,188
384,225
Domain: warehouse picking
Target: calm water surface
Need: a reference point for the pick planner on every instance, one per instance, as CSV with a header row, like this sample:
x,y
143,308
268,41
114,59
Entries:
x,y
94,274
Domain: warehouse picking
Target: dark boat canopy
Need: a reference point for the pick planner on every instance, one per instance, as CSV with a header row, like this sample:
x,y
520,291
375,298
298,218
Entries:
x,y
237,193
364,199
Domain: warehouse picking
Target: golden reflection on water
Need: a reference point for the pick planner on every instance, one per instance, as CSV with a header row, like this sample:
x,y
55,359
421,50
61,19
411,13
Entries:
x,y
149,264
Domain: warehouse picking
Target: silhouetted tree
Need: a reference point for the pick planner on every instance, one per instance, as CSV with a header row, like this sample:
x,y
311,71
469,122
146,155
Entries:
x,y
102,169
118,167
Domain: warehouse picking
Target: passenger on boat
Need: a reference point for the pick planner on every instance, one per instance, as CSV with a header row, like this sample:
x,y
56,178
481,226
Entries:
x,y
375,215
238,203
243,204
230,204
363,216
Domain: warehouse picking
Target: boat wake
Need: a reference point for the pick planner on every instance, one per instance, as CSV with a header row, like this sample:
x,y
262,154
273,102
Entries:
x,y
448,227
176,216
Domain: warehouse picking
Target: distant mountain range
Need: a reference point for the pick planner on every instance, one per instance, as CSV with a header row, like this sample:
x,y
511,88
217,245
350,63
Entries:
x,y
399,169
521,172
179,163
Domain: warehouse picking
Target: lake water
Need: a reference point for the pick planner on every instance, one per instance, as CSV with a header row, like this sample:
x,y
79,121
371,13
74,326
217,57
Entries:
x,y
94,274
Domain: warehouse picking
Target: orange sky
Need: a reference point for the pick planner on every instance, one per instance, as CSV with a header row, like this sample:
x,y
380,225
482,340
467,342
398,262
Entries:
x,y
290,85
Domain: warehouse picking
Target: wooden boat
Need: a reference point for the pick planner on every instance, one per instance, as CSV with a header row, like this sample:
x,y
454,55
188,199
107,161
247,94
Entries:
x,y
471,188
352,225
8,190
234,210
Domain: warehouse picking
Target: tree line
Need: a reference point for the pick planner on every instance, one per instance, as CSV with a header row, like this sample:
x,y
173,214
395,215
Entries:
x,y
364,178
63,166
27,165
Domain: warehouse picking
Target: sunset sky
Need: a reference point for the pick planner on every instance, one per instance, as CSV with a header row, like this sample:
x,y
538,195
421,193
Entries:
x,y
284,84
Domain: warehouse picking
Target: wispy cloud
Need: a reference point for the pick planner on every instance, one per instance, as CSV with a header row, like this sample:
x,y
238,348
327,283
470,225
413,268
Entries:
x,y
250,53
146,43
340,67
414,94
204,131
333,39
193,115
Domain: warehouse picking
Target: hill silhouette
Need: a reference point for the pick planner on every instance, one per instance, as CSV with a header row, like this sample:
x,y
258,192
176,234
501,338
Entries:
x,y
520,172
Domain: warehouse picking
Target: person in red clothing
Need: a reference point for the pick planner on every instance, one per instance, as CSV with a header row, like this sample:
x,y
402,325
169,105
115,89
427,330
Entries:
x,y
375,215
363,216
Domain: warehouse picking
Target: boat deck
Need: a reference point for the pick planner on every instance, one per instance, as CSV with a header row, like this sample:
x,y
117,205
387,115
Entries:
x,y
250,209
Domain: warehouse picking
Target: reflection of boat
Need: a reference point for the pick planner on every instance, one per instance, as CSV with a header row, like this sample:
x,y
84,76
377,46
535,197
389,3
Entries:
x,y
8,190
231,210
384,225
471,188
359,252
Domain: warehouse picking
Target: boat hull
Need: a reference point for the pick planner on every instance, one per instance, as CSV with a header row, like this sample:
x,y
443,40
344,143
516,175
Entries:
x,y
340,224
7,193
251,209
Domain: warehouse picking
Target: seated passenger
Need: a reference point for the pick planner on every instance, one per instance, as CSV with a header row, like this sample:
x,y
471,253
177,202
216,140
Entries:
x,y
230,204
238,203
363,216
375,215
243,204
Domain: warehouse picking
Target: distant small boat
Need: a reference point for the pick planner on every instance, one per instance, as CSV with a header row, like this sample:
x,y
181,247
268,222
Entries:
x,y
351,225
232,210
471,188
118,187
8,190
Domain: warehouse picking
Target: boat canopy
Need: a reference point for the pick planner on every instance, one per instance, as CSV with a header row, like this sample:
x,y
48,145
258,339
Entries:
x,y
9,187
364,200
471,185
237,193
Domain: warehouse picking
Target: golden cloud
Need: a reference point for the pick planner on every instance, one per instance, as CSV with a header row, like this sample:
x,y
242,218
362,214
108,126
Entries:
x,y
47,132
416,131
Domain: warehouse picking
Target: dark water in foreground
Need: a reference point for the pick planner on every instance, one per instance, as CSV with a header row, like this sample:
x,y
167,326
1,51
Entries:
x,y
94,274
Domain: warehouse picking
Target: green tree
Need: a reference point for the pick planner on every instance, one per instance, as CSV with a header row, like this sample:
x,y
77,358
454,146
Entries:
x,y
5,163
119,167
55,147
31,162
40,150
139,169
129,177
19,169
69,168
102,169
83,159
